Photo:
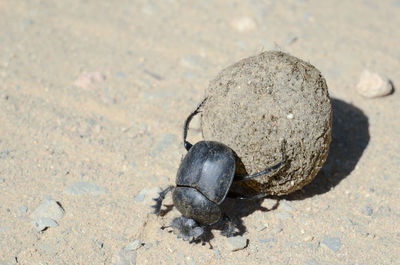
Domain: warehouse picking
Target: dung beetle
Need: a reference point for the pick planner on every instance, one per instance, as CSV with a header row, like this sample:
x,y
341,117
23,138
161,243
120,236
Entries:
x,y
203,181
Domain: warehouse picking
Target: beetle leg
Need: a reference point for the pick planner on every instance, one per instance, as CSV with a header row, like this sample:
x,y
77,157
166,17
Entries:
x,y
159,200
230,227
187,229
254,197
267,170
187,121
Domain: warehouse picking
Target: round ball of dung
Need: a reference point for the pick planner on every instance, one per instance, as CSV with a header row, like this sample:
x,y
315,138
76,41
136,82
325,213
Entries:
x,y
259,102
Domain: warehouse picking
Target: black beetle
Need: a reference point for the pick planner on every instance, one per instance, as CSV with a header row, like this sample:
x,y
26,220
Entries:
x,y
203,181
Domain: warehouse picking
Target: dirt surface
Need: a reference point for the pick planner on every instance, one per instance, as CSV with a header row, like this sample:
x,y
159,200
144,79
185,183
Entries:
x,y
93,96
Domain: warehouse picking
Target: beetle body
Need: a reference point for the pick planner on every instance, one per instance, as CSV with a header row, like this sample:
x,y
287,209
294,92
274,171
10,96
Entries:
x,y
203,181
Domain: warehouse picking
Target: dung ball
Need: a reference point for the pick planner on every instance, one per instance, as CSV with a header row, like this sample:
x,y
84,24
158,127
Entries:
x,y
258,102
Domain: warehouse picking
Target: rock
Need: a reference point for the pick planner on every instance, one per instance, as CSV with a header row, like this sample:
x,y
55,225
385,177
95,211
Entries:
x,y
49,208
236,243
41,224
134,245
243,24
266,240
80,188
124,257
332,243
262,227
4,153
23,209
255,104
373,85
88,81
270,203
147,195
368,210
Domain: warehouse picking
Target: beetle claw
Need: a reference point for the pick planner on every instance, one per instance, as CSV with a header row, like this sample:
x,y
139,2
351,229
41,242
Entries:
x,y
159,200
187,229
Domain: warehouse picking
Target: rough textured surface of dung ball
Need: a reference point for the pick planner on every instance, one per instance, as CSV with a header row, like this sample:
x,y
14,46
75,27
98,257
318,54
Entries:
x,y
256,103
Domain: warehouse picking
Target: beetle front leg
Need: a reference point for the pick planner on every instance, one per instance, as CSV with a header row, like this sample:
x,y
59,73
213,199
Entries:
x,y
159,200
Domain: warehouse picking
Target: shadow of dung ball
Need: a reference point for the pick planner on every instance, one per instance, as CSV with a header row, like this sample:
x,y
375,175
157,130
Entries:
x,y
255,103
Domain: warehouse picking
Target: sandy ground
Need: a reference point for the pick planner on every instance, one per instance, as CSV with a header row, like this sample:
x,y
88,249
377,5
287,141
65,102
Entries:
x,y
93,95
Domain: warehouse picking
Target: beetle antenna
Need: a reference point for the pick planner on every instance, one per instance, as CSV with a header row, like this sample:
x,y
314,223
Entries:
x,y
269,169
187,121
159,200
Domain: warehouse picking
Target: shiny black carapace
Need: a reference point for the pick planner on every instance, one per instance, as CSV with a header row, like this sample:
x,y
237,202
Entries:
x,y
203,181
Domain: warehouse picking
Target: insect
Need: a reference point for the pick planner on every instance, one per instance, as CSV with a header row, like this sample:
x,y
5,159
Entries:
x,y
203,180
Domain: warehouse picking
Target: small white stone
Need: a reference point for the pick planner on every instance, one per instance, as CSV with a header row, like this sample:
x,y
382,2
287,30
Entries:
x,y
236,243
243,24
290,116
372,85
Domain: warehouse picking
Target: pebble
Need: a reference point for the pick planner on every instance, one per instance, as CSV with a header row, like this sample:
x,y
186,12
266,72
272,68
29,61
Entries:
x,y
41,224
332,243
368,210
372,85
88,81
290,116
262,227
124,257
80,188
134,245
236,243
2,180
49,208
269,203
243,24
147,195
277,229
266,240
4,153
23,209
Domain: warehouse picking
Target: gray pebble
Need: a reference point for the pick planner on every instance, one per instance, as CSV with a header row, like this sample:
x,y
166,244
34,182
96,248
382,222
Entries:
x,y
277,229
312,262
41,224
80,188
124,257
134,245
147,195
368,210
139,197
4,153
49,208
23,210
269,203
333,243
2,180
99,244
262,227
148,245
266,241
236,243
